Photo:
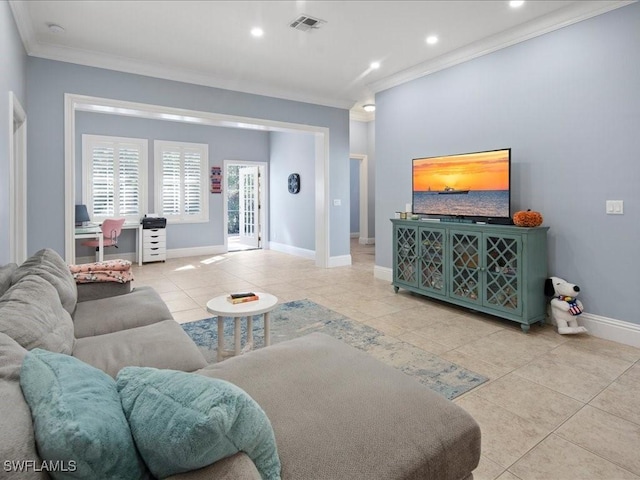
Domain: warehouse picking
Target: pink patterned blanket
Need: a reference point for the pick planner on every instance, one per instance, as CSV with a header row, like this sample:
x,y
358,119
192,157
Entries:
x,y
109,271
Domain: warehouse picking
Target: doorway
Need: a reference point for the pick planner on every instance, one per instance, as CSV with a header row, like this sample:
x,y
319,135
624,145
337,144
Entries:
x,y
74,103
359,175
17,181
245,205
362,246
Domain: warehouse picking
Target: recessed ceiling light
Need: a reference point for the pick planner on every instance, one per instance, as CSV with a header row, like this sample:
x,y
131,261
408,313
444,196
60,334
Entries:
x,y
257,32
375,65
516,3
432,39
55,28
369,107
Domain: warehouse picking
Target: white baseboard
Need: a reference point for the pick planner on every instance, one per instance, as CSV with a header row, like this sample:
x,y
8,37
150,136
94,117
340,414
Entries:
x,y
196,251
354,234
299,252
619,331
383,273
340,261
366,241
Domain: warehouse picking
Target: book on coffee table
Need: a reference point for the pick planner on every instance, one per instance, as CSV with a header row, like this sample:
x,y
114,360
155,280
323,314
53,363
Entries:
x,y
242,297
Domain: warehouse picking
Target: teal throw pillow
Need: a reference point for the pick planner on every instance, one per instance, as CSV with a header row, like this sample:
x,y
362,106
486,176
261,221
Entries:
x,y
184,421
78,419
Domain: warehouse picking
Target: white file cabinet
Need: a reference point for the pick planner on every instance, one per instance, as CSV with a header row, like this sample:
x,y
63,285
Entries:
x,y
154,244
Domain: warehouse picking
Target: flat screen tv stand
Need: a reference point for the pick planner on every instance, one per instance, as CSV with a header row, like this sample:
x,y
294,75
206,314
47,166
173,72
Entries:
x,y
495,269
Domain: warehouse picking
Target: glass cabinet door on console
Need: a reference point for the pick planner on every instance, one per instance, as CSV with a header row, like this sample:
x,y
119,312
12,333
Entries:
x,y
405,258
502,272
431,260
465,274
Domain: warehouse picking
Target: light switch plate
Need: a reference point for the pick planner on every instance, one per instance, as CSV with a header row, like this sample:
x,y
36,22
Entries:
x,y
615,207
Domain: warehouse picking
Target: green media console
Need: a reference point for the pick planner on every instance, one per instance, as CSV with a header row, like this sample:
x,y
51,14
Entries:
x,y
495,269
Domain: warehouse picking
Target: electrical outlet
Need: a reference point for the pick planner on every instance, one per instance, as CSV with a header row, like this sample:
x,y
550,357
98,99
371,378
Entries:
x,y
615,207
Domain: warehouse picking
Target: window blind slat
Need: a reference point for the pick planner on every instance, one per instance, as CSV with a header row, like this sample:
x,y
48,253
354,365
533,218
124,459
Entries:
x,y
129,181
103,182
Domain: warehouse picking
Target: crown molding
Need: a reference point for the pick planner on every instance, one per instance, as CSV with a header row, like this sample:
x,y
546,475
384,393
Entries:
x,y
128,65
123,64
23,22
548,23
358,116
567,16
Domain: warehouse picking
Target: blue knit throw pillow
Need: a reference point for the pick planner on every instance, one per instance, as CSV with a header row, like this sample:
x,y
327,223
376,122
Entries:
x,y
78,419
185,421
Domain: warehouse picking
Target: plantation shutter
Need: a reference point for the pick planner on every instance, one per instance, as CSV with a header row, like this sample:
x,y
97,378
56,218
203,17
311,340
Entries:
x,y
115,176
103,160
192,182
171,182
182,177
129,181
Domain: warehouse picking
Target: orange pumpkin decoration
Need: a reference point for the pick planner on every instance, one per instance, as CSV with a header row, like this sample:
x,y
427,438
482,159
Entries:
x,y
527,219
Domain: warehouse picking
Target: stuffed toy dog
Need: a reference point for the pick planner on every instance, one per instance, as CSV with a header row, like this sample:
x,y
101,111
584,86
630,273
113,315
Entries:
x,y
565,307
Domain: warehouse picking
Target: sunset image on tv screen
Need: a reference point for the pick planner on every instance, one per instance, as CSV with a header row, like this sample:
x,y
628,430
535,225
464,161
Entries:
x,y
471,184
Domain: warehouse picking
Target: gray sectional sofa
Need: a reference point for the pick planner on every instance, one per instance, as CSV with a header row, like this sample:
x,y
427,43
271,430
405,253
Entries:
x,y
336,412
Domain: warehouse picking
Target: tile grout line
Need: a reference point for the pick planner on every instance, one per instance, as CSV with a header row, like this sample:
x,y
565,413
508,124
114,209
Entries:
x,y
361,278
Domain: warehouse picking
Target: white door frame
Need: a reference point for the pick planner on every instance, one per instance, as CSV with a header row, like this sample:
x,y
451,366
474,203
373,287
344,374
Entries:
x,y
74,103
364,198
264,199
249,205
17,181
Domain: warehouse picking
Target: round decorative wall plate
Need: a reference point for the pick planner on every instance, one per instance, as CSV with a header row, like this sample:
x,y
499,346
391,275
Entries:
x,y
294,183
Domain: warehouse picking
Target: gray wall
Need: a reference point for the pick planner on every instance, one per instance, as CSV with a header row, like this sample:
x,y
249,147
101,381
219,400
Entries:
x,y
48,81
13,61
568,104
292,216
224,144
358,137
371,182
362,142
354,177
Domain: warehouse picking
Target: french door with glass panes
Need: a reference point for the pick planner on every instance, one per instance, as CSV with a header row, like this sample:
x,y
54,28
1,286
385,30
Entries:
x,y
249,221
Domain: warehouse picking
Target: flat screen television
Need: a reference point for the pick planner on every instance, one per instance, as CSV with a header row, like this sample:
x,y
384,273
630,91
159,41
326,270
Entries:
x,y
474,186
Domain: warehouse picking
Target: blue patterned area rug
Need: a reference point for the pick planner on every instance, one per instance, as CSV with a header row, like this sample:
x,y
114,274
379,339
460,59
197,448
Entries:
x,y
298,318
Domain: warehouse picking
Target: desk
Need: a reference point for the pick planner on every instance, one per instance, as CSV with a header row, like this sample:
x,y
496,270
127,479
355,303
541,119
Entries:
x,y
94,231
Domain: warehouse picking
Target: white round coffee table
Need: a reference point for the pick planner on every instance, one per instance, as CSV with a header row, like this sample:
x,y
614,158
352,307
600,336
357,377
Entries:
x,y
221,308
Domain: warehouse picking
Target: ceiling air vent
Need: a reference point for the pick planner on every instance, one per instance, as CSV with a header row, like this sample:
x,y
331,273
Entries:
x,y
306,23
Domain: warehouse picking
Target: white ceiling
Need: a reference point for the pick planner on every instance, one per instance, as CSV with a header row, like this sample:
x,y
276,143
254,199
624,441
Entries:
x,y
209,42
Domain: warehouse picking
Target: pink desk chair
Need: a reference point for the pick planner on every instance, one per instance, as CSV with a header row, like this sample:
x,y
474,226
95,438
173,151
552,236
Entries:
x,y
111,229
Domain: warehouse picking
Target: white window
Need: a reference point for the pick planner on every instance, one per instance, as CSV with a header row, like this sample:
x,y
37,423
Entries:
x,y
115,177
181,181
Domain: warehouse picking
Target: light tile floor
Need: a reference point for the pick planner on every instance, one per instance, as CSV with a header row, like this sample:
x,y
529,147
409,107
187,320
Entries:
x,y
555,408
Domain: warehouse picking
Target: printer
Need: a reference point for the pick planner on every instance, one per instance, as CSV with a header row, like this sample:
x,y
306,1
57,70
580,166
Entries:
x,y
153,222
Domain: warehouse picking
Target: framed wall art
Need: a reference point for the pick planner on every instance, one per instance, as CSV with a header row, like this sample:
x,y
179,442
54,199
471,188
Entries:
x,y
216,179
